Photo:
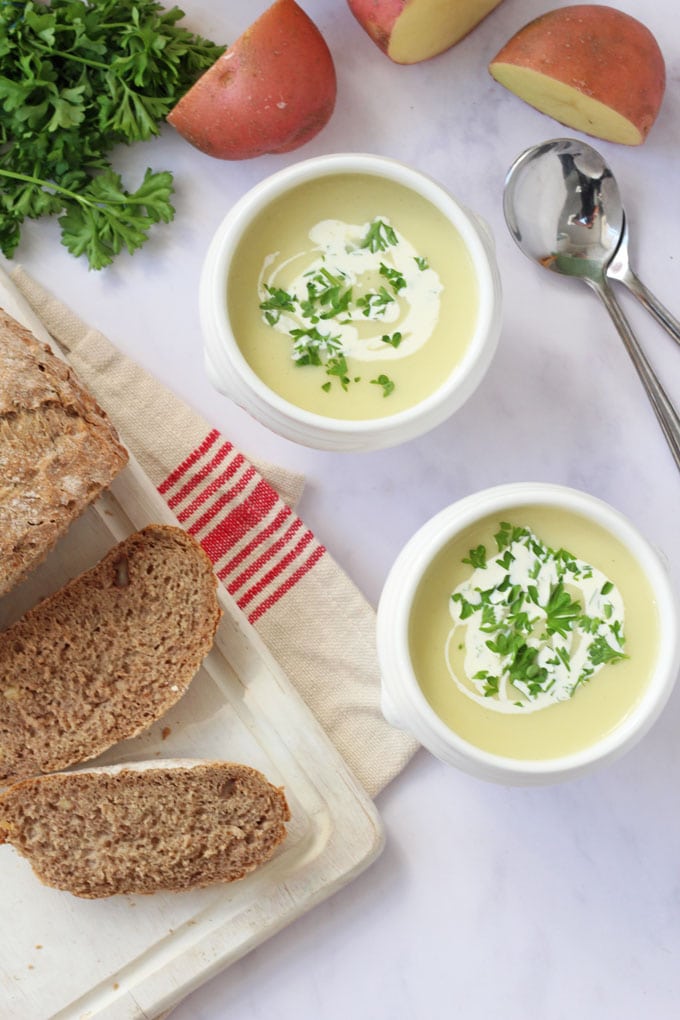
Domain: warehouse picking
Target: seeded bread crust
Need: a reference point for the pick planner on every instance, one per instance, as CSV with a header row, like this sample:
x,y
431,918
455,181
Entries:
x,y
106,655
58,450
144,828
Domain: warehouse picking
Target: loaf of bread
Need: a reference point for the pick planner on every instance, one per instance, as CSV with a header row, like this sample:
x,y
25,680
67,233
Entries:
x,y
58,450
144,828
106,655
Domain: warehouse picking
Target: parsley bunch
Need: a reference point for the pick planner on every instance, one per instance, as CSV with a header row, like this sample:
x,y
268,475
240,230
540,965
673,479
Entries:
x,y
77,78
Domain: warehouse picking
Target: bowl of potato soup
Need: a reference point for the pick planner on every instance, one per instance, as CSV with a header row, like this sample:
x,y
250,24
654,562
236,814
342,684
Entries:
x,y
349,302
527,634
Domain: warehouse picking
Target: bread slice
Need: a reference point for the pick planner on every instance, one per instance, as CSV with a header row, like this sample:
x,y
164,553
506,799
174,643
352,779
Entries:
x,y
58,450
144,828
106,655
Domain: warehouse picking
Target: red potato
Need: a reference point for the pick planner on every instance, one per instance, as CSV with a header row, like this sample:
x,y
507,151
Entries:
x,y
272,91
409,31
590,67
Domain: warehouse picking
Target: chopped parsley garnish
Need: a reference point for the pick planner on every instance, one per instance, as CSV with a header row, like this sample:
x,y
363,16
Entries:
x,y
310,344
476,557
385,382
561,611
507,534
601,651
317,307
379,237
279,300
538,622
337,366
466,608
375,302
491,684
393,277
327,296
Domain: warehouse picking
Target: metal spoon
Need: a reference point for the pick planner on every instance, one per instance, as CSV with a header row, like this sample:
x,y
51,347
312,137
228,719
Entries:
x,y
563,209
620,269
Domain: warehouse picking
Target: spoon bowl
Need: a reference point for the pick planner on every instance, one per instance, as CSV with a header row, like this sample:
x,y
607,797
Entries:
x,y
563,209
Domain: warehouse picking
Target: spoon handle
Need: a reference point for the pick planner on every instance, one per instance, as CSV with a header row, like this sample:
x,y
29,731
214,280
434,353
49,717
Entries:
x,y
665,411
635,285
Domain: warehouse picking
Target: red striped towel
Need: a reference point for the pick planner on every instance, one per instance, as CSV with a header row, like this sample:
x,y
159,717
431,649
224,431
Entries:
x,y
244,516
259,547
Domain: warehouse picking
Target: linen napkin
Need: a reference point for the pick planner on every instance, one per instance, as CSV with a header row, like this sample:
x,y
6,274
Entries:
x,y
243,514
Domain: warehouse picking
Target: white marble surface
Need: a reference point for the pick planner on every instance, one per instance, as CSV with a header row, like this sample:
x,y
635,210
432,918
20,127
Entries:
x,y
488,901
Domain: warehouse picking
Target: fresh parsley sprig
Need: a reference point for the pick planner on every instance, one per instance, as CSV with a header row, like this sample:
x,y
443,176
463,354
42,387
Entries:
x,y
77,78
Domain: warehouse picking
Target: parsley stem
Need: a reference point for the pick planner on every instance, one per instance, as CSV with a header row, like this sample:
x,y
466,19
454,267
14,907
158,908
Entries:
x,y
71,56
51,186
28,179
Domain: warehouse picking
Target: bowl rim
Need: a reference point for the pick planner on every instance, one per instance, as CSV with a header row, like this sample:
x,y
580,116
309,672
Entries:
x,y
228,234
398,675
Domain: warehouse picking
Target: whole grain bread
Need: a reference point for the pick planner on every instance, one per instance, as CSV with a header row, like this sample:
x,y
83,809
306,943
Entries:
x,y
58,450
144,828
106,655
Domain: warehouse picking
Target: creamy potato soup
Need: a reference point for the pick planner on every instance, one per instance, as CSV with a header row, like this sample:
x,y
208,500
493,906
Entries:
x,y
352,297
533,634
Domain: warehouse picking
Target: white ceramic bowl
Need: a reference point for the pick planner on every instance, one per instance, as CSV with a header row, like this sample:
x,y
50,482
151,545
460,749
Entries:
x,y
403,702
230,373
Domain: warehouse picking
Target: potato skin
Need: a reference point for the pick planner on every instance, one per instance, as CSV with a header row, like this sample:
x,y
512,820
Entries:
x,y
599,51
377,17
270,92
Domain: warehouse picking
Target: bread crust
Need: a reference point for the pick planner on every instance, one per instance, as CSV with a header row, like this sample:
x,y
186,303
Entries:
x,y
58,450
145,827
105,656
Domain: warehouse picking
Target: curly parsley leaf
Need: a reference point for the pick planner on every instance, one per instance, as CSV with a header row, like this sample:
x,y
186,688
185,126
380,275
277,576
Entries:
x,y
105,219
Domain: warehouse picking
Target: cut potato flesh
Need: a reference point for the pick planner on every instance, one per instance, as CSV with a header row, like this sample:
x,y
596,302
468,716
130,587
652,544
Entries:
x,y
567,104
428,27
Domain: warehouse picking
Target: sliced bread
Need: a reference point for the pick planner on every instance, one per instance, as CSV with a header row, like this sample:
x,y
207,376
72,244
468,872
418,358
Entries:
x,y
58,450
107,655
144,828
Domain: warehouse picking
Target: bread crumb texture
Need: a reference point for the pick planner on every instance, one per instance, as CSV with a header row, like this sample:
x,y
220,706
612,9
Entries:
x,y
97,834
58,450
107,655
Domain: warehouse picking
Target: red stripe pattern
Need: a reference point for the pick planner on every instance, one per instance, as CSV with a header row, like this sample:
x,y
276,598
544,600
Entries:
x,y
260,548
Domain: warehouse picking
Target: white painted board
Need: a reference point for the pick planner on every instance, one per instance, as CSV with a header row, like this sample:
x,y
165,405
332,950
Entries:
x,y
132,957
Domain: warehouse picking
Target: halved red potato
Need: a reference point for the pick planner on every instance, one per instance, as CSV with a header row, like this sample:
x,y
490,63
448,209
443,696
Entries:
x,y
272,91
409,31
590,67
